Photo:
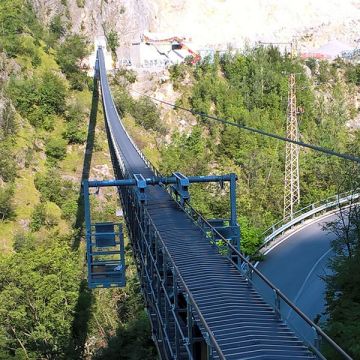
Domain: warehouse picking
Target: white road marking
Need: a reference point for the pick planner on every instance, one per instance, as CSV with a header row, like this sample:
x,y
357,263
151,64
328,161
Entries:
x,y
308,277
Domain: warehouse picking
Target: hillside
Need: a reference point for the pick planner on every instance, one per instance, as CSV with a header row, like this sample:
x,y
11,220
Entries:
x,y
52,136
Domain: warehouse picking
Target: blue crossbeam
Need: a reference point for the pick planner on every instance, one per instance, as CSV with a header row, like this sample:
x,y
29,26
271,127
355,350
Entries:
x,y
162,180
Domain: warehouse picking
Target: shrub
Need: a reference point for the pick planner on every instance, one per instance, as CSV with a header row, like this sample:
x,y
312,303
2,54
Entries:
x,y
6,203
146,114
8,166
38,97
52,93
56,27
70,53
56,148
124,102
75,133
112,40
38,217
80,3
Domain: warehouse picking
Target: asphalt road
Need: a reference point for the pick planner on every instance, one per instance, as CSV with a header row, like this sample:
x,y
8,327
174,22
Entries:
x,y
295,266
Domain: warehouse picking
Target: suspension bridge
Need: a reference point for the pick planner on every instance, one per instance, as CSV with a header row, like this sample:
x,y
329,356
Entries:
x,y
197,286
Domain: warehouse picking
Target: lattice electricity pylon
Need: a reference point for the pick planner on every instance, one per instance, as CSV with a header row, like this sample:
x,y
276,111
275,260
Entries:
x,y
292,181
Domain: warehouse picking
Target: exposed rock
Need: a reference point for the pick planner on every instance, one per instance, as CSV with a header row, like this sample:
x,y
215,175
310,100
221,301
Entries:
x,y
101,172
213,23
24,223
39,145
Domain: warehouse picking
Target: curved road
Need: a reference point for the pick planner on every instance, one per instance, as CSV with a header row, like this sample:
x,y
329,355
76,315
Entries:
x,y
295,266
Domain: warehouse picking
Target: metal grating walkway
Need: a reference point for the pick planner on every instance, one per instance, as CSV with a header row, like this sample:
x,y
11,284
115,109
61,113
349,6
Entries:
x,y
244,326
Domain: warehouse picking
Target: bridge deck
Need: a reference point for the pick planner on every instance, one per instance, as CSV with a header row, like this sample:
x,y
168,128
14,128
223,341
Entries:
x,y
244,326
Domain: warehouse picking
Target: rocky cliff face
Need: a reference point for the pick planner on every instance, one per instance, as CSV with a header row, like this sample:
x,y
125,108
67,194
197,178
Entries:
x,y
91,17
211,22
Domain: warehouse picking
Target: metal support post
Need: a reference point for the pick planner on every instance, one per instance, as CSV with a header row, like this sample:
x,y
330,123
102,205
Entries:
x,y
189,324
177,334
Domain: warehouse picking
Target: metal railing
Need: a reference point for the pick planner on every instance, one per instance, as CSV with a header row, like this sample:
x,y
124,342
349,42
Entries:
x,y
239,260
306,213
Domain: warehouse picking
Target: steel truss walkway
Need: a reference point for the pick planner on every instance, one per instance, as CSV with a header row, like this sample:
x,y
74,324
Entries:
x,y
199,303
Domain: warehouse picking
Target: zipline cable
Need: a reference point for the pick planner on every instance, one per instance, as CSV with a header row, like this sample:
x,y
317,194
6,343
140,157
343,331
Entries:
x,y
257,131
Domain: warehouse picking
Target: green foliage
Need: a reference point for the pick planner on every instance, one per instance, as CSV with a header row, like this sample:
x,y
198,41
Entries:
x,y
187,154
177,74
57,27
38,217
124,102
146,114
143,110
124,76
61,192
252,88
52,93
39,98
324,74
80,3
6,202
7,121
312,65
112,40
75,132
69,56
43,216
38,294
352,73
24,241
17,21
56,149
343,284
250,236
8,165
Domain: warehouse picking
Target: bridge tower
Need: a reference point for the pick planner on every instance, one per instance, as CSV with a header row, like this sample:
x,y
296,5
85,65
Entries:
x,y
292,181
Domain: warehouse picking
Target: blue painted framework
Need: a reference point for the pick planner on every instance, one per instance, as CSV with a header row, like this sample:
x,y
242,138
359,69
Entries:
x,y
105,251
160,276
228,228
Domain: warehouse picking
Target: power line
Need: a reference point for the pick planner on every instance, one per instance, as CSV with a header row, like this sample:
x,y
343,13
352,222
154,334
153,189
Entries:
x,y
257,131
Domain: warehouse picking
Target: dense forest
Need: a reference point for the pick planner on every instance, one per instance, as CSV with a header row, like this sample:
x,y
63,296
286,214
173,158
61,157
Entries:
x,y
50,117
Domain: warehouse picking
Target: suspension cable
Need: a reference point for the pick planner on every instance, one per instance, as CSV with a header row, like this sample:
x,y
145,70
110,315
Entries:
x,y
257,131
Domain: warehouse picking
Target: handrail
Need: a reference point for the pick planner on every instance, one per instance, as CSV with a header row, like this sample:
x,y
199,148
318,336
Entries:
x,y
305,213
187,290
317,329
191,211
151,166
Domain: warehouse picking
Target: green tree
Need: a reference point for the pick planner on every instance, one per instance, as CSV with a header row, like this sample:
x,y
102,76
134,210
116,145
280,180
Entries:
x,y
37,98
71,52
38,294
52,93
112,40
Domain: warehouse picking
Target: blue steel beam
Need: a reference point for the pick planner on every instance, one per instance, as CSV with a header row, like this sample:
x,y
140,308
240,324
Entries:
x,y
166,181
